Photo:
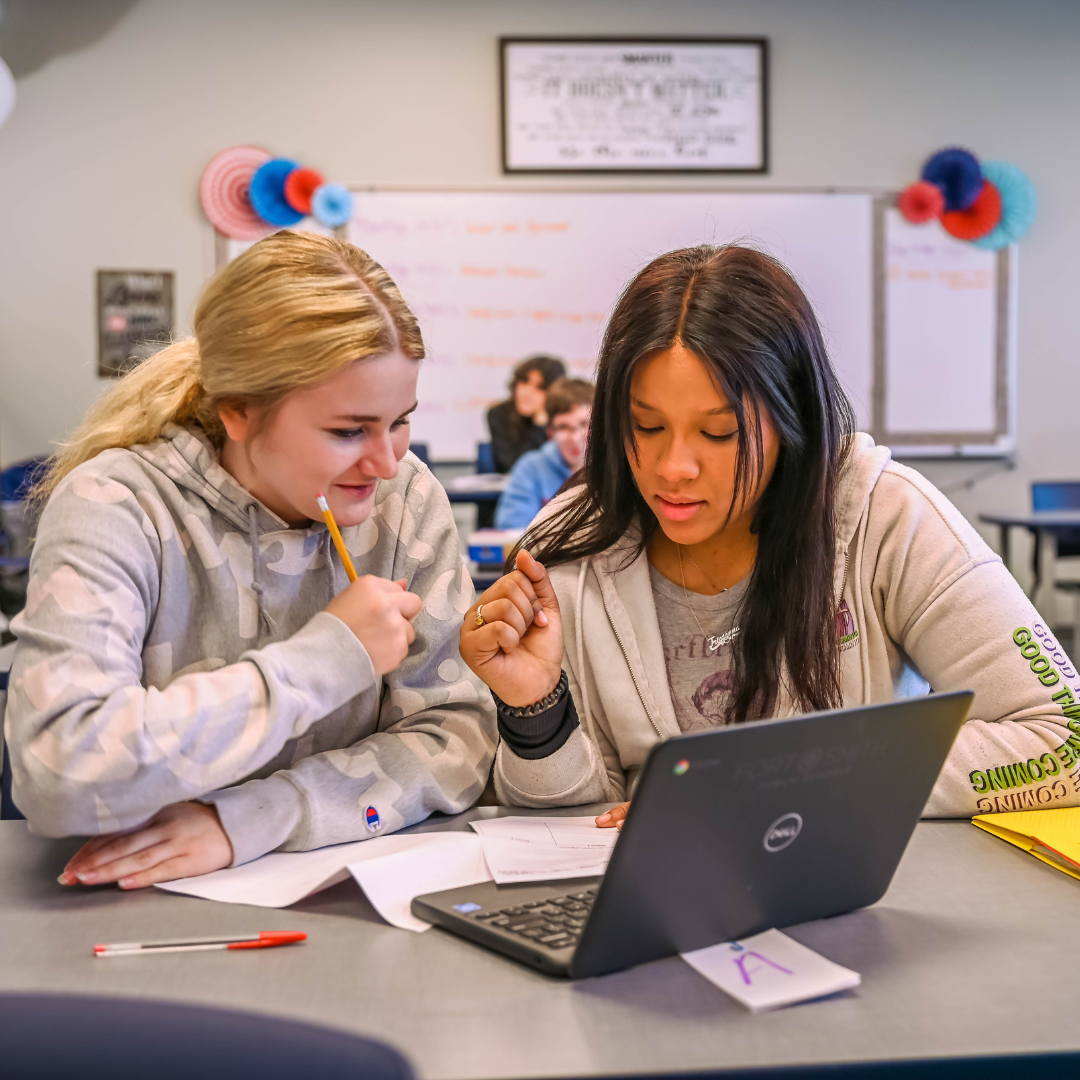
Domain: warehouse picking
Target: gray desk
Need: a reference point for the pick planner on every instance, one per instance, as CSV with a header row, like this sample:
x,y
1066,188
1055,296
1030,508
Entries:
x,y
972,951
1044,525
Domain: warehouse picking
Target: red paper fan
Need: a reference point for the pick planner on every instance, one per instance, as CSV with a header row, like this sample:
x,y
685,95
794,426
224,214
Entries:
x,y
921,201
223,192
979,219
300,185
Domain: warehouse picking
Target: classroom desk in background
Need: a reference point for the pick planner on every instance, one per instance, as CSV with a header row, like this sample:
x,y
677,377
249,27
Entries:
x,y
476,488
1044,525
971,952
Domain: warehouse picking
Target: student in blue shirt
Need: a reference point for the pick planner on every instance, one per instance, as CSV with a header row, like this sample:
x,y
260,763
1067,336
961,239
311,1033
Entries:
x,y
539,474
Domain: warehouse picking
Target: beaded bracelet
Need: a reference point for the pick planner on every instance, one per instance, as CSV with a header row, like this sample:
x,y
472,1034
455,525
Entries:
x,y
516,712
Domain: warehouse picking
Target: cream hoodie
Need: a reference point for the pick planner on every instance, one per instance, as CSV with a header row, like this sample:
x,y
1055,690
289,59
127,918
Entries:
x,y
928,604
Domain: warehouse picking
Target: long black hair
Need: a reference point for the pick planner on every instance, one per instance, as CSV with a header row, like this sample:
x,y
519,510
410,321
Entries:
x,y
743,315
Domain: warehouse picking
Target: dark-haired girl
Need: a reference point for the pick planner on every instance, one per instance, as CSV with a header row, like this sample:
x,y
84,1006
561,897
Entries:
x,y
737,551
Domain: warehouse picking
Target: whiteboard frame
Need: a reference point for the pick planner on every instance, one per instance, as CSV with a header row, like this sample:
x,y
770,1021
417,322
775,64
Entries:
x,y
1001,441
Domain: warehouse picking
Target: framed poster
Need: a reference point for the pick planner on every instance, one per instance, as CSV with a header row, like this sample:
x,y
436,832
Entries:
x,y
634,105
134,315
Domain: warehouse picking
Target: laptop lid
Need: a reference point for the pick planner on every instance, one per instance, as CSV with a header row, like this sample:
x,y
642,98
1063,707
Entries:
x,y
766,824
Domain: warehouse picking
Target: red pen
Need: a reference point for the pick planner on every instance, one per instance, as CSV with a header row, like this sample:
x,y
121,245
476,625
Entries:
x,y
267,939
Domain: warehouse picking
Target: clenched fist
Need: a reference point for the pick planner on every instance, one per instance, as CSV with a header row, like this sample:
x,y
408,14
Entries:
x,y
518,650
380,614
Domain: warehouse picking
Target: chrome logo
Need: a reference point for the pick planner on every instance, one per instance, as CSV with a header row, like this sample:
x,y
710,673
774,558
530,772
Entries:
x,y
371,819
782,832
680,767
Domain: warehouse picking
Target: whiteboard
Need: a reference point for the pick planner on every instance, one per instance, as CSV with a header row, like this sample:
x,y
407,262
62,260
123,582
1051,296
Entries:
x,y
945,348
496,276
921,327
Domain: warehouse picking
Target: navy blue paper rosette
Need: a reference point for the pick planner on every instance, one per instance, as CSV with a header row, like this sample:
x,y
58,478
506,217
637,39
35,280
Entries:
x,y
958,174
331,205
1019,204
267,193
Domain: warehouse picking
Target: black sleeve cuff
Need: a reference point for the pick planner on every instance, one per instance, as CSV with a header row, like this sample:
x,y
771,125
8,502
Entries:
x,y
539,736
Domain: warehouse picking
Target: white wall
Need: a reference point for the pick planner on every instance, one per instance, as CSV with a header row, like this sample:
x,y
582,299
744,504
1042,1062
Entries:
x,y
100,161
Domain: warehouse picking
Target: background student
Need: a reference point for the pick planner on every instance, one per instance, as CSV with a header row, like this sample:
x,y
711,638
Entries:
x,y
519,424
195,681
539,474
738,552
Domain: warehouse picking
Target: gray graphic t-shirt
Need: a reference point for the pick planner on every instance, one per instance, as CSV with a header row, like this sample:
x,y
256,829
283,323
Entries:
x,y
699,677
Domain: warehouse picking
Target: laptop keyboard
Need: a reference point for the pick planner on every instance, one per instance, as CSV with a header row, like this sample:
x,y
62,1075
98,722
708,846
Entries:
x,y
555,923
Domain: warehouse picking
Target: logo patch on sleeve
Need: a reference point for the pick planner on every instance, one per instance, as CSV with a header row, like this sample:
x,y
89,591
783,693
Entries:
x,y
847,633
371,819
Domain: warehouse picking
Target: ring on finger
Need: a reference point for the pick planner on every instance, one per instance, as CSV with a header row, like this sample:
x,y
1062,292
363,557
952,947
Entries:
x,y
479,620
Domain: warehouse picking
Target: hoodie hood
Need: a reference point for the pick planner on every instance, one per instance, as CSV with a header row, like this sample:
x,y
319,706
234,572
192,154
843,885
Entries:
x,y
866,462
187,457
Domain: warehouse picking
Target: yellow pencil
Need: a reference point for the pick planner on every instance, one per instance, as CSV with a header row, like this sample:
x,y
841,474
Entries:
x,y
335,532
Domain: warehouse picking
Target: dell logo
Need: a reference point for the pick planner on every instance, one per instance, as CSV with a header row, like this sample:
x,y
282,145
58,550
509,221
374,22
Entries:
x,y
782,832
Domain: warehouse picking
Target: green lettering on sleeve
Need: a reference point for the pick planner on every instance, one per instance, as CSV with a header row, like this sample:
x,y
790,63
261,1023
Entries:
x,y
978,780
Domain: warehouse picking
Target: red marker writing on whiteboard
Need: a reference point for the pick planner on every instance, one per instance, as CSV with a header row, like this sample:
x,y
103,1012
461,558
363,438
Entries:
x,y
267,939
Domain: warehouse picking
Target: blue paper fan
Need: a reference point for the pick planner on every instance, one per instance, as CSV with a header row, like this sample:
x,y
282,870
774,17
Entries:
x,y
958,175
331,205
267,193
1019,204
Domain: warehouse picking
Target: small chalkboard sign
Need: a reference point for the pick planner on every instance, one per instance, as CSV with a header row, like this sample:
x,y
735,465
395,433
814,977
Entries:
x,y
135,317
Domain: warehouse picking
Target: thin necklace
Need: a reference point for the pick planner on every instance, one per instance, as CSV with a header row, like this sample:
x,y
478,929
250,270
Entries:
x,y
713,641
703,574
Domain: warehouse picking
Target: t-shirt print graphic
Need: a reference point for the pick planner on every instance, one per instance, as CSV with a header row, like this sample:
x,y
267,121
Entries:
x,y
699,678
710,698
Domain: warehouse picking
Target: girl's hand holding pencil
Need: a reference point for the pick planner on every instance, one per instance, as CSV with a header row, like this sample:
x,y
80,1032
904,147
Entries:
x,y
377,611
380,614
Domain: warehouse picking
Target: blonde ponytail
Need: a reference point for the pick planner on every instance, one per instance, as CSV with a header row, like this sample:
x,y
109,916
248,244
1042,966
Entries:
x,y
288,312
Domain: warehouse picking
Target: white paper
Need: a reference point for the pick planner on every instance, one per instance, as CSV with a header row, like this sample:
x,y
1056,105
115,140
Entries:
x,y
544,848
770,970
285,877
391,882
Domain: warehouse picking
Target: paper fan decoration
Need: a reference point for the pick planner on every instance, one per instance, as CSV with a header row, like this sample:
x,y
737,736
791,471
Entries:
x,y
1019,204
332,205
979,219
267,193
958,174
300,185
223,192
921,201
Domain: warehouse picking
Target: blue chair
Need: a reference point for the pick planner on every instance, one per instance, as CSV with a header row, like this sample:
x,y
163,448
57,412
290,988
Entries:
x,y
420,449
47,1036
1060,495
1027,1066
485,459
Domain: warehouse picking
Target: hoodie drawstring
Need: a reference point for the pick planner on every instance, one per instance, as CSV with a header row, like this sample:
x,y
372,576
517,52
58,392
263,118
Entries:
x,y
328,549
256,560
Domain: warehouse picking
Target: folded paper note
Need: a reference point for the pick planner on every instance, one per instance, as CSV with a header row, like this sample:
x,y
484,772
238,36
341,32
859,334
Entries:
x,y
544,848
770,970
1050,835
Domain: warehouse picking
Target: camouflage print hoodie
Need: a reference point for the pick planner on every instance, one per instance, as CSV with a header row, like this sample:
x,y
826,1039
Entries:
x,y
174,646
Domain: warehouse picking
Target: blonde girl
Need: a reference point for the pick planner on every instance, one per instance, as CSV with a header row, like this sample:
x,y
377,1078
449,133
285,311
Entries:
x,y
195,682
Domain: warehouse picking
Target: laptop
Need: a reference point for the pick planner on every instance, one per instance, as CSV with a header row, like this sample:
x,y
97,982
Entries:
x,y
730,832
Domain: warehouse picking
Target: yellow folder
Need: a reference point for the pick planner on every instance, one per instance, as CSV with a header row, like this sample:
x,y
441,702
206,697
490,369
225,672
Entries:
x,y
1050,835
